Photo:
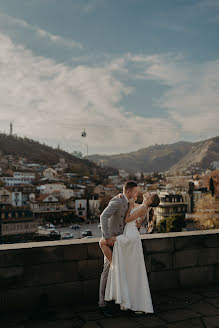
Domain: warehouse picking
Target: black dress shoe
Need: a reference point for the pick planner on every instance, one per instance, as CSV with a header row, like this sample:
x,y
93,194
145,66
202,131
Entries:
x,y
106,311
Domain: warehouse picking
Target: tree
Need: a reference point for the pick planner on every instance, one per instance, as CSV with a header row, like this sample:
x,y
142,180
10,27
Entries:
x,y
77,154
104,201
207,212
171,223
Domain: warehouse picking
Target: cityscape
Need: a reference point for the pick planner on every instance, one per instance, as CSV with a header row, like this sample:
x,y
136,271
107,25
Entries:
x,y
50,202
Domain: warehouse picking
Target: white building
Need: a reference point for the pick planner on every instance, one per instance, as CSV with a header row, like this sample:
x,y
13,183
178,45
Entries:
x,y
51,187
17,198
79,190
50,173
81,207
5,196
19,227
19,178
67,193
123,174
138,175
170,204
114,178
47,203
64,193
94,206
29,175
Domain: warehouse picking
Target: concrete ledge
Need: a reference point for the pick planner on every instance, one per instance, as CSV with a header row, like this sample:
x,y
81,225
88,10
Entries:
x,y
94,240
68,271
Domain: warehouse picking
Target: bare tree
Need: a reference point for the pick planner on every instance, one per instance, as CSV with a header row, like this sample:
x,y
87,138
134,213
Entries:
x,y
207,212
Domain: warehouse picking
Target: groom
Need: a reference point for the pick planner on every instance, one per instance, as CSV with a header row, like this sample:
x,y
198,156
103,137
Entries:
x,y
112,224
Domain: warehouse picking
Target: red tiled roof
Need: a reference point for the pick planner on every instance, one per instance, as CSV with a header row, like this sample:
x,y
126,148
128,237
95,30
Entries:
x,y
41,197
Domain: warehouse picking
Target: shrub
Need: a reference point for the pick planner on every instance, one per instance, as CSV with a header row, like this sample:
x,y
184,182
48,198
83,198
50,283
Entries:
x,y
171,224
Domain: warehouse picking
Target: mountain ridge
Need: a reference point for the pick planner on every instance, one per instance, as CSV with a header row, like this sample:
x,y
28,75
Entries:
x,y
43,154
173,157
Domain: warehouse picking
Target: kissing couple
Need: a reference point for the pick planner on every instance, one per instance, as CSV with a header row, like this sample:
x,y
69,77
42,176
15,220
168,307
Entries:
x,y
124,277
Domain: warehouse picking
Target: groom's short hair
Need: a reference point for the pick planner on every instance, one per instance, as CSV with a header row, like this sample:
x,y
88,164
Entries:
x,y
129,185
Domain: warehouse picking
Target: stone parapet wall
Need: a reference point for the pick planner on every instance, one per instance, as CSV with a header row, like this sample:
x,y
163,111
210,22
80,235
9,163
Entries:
x,y
68,271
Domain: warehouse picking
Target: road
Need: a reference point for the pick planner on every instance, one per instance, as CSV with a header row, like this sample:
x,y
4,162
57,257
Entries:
x,y
96,232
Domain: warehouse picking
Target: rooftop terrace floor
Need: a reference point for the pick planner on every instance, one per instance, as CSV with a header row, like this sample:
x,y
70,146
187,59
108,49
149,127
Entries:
x,y
174,308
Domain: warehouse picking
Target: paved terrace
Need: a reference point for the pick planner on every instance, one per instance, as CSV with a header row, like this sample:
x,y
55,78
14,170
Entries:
x,y
55,284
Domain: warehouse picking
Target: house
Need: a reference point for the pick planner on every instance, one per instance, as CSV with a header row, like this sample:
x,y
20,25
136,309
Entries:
x,y
94,207
50,173
5,196
61,166
20,194
114,178
45,203
51,187
170,204
123,174
14,221
108,190
18,178
81,207
79,190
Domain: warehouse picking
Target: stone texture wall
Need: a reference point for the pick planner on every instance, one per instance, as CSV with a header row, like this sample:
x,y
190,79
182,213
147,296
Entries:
x,y
69,271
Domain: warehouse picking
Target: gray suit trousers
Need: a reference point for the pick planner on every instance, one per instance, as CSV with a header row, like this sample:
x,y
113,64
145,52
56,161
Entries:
x,y
112,224
103,281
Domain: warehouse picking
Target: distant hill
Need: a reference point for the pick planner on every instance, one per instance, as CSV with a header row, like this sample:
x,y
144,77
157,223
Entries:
x,y
34,151
173,157
201,154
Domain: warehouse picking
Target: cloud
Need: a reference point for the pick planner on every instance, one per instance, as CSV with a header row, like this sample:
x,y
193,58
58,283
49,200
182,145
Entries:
x,y
57,39
191,98
50,101
7,22
89,6
53,101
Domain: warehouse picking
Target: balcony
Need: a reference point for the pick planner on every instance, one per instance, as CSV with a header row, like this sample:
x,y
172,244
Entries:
x,y
55,284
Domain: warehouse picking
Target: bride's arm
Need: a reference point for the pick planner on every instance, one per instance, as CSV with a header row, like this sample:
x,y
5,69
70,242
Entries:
x,y
141,210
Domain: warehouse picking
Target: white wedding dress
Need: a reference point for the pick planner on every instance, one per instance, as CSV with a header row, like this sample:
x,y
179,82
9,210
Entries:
x,y
127,282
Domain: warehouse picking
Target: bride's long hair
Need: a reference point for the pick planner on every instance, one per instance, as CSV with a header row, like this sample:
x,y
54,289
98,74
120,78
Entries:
x,y
156,202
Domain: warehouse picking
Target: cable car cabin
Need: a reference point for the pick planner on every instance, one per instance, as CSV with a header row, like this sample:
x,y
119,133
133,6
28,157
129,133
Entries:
x,y
84,134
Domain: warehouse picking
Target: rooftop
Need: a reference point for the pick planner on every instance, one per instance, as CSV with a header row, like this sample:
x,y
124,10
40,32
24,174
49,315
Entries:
x,y
175,308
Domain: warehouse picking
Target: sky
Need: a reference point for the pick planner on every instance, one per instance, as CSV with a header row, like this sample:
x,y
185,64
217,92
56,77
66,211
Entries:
x,y
133,73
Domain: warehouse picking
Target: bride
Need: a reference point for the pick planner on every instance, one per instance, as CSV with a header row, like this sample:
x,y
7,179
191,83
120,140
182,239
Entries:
x,y
127,282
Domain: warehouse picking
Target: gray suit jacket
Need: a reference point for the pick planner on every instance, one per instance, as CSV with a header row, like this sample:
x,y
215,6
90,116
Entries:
x,y
112,218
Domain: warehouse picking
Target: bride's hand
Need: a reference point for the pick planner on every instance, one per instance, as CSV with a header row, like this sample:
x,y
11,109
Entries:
x,y
138,223
119,195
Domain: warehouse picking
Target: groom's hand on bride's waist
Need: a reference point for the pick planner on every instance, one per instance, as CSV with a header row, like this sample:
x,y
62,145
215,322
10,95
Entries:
x,y
110,241
138,223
